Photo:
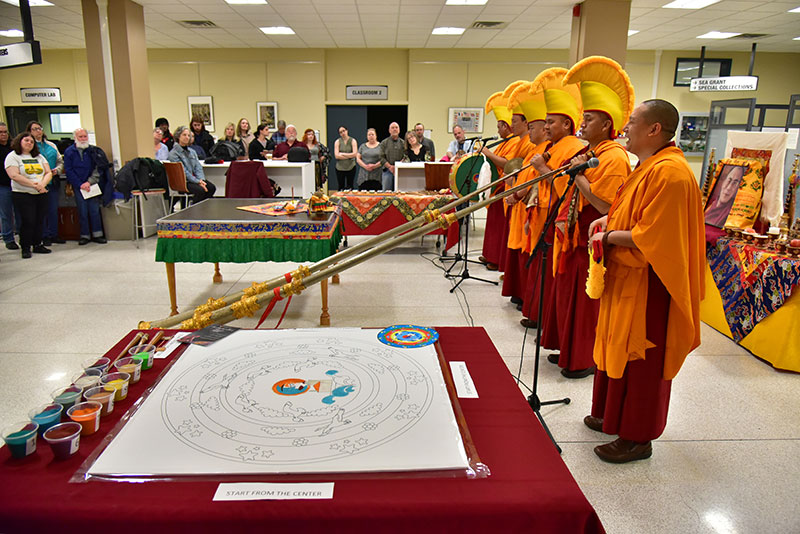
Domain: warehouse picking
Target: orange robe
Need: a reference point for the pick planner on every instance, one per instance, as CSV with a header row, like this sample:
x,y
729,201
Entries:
x,y
660,204
575,311
493,244
524,149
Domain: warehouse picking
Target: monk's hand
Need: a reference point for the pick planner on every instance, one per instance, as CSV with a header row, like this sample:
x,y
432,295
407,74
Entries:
x,y
577,160
596,238
512,199
600,223
527,227
540,164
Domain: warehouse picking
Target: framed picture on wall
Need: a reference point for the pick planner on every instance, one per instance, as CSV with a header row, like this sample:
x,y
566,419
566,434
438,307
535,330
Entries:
x,y
692,133
267,113
202,106
470,119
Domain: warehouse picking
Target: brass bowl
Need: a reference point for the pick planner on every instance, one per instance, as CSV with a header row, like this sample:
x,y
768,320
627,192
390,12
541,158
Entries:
x,y
793,251
762,240
780,246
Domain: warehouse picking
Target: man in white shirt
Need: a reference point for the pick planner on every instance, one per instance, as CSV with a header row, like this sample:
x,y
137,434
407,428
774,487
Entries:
x,y
459,144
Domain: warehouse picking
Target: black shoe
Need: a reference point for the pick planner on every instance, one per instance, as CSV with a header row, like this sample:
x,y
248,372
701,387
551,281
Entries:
x,y
58,240
26,253
553,358
516,300
12,245
580,373
527,323
41,249
83,241
519,307
102,240
46,242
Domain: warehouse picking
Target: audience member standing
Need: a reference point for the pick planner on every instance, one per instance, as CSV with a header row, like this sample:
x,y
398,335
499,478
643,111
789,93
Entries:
x,y
166,138
243,133
50,152
9,218
392,150
345,149
279,136
195,177
414,150
319,155
369,159
160,149
83,172
419,130
30,174
201,136
261,145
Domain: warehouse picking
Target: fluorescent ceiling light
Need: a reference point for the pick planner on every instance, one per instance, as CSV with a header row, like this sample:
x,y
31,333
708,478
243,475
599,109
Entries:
x,y
12,33
690,4
796,39
32,3
445,30
277,30
247,2
632,32
466,2
795,10
718,35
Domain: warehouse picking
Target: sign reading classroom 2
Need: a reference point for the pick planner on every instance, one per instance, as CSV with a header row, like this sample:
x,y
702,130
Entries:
x,y
40,94
367,92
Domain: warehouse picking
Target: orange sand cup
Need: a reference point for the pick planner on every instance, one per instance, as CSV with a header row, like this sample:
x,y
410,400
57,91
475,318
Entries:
x,y
88,415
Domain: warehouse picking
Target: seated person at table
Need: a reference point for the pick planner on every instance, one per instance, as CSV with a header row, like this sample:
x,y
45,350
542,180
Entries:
x,y
201,153
415,151
261,145
201,135
161,150
279,136
229,147
166,137
282,150
195,177
458,146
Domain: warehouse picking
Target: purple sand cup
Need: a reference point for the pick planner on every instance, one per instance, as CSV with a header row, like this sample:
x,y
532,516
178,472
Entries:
x,y
46,416
68,396
97,363
64,439
103,396
20,438
144,353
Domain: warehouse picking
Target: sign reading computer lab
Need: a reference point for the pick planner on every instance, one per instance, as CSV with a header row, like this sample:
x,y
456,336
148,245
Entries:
x,y
40,94
367,92
20,54
724,83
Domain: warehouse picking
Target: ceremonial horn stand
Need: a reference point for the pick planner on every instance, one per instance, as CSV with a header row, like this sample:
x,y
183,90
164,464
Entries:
x,y
458,257
544,247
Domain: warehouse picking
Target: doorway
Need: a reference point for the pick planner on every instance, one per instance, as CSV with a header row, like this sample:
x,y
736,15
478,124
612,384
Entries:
x,y
58,122
357,119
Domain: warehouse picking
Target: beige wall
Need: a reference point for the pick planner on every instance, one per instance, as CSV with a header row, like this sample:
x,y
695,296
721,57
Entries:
x,y
303,81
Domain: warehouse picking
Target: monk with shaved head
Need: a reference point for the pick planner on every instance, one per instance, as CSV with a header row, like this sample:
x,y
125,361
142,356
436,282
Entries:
x,y
654,250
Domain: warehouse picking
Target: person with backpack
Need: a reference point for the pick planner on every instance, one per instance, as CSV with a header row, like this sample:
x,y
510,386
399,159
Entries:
x,y
229,147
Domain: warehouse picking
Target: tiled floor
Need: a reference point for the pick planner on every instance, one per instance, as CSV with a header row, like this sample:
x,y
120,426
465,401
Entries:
x,y
727,463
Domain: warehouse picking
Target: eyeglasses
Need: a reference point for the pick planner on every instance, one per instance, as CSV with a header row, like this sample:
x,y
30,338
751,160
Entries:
x,y
36,129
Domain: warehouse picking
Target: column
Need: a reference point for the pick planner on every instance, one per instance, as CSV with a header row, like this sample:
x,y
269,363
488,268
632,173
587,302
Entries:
x,y
600,28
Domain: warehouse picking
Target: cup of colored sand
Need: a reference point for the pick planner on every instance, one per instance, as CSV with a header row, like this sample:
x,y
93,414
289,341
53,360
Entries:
x,y
144,353
68,396
46,416
20,438
97,363
64,439
132,366
118,383
88,415
87,378
101,395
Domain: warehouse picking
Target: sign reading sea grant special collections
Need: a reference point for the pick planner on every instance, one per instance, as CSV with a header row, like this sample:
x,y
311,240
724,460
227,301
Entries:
x,y
40,94
367,92
725,83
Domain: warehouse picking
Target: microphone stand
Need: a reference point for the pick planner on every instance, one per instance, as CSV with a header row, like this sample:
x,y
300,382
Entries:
x,y
543,246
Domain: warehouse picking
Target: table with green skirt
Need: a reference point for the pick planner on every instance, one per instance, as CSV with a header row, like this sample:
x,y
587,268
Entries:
x,y
215,231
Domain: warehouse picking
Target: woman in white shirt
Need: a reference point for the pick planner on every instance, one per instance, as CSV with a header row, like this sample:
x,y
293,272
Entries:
x,y
30,173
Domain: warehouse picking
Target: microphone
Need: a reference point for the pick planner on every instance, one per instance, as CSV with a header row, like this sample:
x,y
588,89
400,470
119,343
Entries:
x,y
492,138
577,169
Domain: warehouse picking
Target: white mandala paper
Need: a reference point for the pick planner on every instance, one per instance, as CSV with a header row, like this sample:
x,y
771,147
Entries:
x,y
292,401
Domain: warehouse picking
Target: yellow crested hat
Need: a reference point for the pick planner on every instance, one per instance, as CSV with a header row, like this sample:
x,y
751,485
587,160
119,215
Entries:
x,y
604,86
516,110
559,99
531,103
499,104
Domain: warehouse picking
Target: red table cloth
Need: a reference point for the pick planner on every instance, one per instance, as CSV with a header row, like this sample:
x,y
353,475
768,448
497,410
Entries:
x,y
529,490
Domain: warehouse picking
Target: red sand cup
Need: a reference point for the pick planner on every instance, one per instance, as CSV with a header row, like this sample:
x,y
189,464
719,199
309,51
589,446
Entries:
x,y
144,353
132,366
64,439
101,395
20,438
87,378
88,415
68,396
118,383
46,416
97,363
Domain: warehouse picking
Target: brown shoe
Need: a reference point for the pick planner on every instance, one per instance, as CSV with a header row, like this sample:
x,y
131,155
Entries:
x,y
491,266
579,373
527,323
553,358
595,423
621,451
483,260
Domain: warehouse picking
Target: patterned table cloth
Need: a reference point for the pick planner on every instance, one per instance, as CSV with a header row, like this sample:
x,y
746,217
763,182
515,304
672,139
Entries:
x,y
364,207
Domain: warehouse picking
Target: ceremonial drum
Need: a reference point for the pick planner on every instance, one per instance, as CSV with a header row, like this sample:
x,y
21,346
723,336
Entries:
x,y
465,173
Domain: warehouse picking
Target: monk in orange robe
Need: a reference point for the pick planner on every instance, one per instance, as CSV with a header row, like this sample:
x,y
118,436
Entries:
x,y
495,214
588,199
649,321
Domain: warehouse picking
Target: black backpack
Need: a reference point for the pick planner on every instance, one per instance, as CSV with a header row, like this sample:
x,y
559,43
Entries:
x,y
225,150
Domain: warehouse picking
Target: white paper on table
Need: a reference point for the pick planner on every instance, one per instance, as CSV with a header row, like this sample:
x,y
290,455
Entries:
x,y
93,191
465,387
170,345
